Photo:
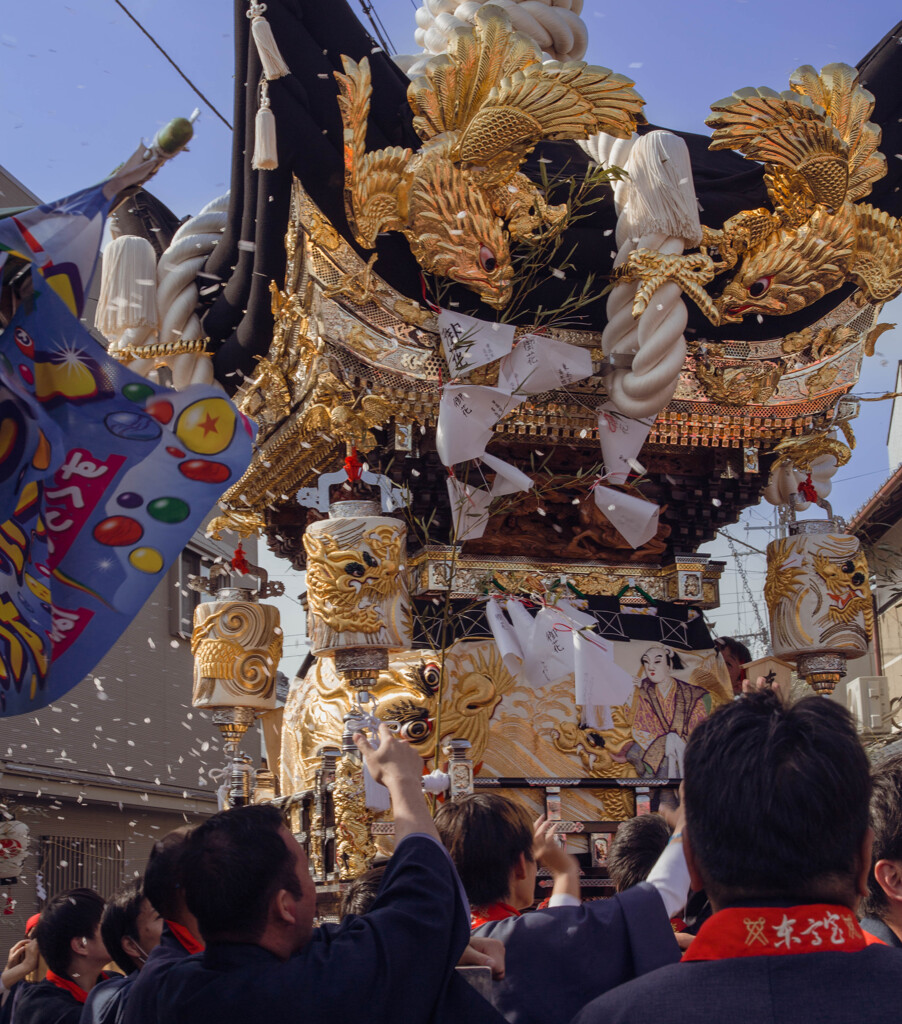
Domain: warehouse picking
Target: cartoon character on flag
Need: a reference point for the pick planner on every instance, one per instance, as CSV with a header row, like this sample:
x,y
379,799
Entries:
x,y
104,476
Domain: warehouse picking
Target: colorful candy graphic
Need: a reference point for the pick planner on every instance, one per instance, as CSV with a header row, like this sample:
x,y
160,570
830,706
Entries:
x,y
205,471
147,560
137,391
169,510
118,531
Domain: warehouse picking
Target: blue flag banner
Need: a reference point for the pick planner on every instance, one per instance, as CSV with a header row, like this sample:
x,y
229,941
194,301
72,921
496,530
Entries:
x,y
62,239
104,477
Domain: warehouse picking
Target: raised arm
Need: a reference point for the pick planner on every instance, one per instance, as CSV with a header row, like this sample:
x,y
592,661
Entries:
x,y
399,768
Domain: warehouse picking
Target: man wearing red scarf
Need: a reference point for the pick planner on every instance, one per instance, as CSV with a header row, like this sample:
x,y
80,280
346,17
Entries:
x,y
68,934
776,802
181,934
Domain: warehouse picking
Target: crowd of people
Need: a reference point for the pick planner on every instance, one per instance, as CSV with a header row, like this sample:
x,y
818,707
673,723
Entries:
x,y
771,891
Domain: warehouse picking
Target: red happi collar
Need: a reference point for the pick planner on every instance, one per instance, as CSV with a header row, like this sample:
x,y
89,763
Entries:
x,y
777,931
75,990
494,912
185,937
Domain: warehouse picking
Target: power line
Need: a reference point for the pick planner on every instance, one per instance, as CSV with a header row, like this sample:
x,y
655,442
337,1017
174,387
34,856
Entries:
x,y
378,28
173,63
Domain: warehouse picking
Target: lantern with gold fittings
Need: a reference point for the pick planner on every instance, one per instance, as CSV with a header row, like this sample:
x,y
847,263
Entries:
x,y
359,611
819,598
237,644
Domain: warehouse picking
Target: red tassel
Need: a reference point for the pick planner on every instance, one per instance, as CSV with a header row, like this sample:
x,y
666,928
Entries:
x,y
239,561
807,490
353,467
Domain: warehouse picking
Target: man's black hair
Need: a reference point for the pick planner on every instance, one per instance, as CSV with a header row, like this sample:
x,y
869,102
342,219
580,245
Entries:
x,y
634,849
163,874
72,914
886,821
776,799
742,654
362,892
120,919
485,833
234,863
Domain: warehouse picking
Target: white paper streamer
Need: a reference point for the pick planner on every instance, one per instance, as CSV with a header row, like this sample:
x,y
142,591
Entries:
x,y
468,342
523,622
600,681
549,656
508,479
621,440
635,519
568,610
469,509
540,364
467,414
505,635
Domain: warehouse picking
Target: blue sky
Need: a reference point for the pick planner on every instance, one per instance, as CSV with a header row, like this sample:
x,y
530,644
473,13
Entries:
x,y
81,86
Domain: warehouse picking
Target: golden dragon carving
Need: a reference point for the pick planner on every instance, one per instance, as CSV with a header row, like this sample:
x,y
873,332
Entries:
x,y
480,109
848,585
755,382
821,158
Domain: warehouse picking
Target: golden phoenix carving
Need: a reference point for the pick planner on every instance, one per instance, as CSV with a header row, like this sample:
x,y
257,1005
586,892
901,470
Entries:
x,y
480,109
820,155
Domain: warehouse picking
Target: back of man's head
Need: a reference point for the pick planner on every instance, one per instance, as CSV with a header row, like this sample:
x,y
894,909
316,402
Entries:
x,y
163,874
777,800
635,848
362,892
74,914
234,863
735,647
120,921
886,821
485,834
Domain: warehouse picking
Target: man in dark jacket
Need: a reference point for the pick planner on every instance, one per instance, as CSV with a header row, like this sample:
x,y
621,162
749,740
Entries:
x,y
777,833
248,884
69,939
130,929
558,958
180,936
883,903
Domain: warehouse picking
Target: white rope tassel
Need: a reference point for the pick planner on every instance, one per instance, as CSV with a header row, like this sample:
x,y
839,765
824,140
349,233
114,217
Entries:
x,y
274,65
659,213
128,295
265,150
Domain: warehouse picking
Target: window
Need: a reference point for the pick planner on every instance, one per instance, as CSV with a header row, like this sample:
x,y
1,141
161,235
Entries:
x,y
184,599
69,863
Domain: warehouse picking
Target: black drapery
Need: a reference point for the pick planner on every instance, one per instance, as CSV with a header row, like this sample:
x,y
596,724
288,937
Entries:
x,y
312,35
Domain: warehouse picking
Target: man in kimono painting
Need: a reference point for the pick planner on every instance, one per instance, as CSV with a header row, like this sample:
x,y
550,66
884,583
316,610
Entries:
x,y
651,732
776,833
248,884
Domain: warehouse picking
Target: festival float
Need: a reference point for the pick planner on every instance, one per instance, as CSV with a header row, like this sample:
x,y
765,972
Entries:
x,y
514,356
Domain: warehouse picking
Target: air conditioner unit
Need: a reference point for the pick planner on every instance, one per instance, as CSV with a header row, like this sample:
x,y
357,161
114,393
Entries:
x,y
867,698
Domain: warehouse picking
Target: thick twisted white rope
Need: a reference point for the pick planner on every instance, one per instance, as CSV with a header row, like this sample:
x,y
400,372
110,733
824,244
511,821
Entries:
x,y
658,212
178,296
554,26
783,485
